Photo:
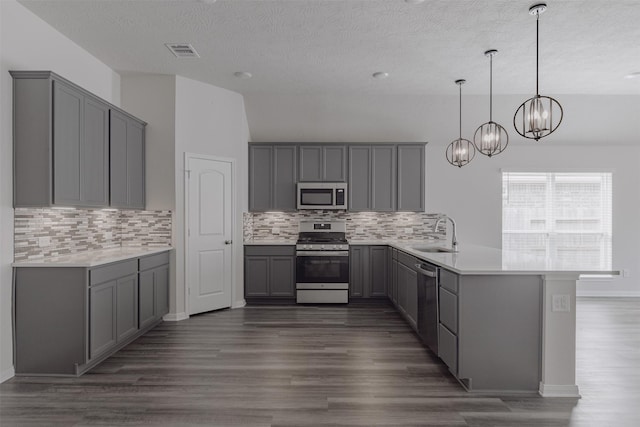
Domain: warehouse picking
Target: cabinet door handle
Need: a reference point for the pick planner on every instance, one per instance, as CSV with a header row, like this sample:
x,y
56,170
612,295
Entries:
x,y
228,242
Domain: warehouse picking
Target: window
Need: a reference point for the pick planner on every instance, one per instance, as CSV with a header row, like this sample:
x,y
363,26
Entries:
x,y
561,216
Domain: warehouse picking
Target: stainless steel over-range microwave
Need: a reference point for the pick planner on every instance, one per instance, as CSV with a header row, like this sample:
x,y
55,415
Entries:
x,y
322,195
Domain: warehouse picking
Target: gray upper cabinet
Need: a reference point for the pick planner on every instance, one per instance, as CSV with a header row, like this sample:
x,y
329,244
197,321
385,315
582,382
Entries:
x,y
381,178
359,191
62,145
322,163
372,178
127,161
94,163
284,177
272,177
260,175
411,179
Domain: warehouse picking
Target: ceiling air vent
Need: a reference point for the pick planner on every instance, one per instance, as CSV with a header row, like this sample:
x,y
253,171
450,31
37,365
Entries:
x,y
182,50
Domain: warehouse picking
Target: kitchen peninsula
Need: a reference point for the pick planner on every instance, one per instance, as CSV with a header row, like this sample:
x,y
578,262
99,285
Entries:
x,y
507,320
499,295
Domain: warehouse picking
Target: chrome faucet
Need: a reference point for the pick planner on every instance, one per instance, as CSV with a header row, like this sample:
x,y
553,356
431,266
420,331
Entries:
x,y
454,237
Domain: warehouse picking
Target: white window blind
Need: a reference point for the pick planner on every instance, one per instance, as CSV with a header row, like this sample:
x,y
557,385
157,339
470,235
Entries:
x,y
561,216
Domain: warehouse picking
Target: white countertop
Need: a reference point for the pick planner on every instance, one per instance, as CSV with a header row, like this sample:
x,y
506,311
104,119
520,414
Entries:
x,y
472,259
94,258
475,259
269,242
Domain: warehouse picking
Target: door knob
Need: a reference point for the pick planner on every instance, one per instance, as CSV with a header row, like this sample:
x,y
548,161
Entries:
x,y
228,242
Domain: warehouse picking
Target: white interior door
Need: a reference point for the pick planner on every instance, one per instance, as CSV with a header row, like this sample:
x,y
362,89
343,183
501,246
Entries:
x,y
209,233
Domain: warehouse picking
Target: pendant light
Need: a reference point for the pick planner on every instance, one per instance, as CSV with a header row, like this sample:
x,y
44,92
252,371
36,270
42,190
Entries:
x,y
461,151
539,116
490,138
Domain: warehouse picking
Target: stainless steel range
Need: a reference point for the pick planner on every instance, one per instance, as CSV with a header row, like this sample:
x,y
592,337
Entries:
x,y
322,263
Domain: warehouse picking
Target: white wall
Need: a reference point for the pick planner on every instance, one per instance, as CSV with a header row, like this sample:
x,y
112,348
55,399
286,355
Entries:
x,y
184,115
28,43
472,195
152,98
212,121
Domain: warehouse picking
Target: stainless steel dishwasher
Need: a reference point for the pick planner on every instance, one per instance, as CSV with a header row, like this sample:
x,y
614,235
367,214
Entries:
x,y
428,276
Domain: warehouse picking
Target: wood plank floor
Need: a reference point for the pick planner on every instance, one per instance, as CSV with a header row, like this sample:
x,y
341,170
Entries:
x,y
323,366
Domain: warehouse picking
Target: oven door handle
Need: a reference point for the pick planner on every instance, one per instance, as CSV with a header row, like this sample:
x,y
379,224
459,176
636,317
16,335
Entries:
x,y
322,253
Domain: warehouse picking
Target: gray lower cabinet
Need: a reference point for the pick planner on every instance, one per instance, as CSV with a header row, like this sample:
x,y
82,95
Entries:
x,y
102,322
153,297
393,282
322,163
372,178
272,177
269,272
407,288
368,271
62,145
448,319
490,330
127,189
68,319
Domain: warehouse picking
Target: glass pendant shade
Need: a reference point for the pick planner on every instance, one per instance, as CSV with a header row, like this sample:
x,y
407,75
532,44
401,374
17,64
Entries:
x,y
539,116
490,138
461,151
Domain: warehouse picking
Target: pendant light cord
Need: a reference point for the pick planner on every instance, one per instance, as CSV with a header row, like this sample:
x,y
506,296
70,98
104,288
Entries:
x,y
537,49
460,87
491,87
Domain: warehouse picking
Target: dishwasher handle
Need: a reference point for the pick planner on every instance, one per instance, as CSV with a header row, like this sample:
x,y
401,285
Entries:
x,y
425,272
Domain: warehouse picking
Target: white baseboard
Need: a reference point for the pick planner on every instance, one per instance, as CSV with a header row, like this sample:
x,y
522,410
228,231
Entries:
x,y
553,390
239,304
175,317
7,375
610,294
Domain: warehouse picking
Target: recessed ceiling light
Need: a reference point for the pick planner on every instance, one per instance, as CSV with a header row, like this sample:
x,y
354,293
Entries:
x,y
414,1
380,75
242,75
632,75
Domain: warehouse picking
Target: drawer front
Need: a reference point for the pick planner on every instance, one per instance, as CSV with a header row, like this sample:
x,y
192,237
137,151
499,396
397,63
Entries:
x,y
408,260
113,271
280,250
449,310
449,280
448,349
153,261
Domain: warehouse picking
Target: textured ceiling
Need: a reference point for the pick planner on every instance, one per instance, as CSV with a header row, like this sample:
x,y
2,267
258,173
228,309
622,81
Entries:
x,y
322,47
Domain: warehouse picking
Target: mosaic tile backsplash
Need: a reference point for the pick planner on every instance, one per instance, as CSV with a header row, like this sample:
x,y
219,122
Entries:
x,y
49,232
361,226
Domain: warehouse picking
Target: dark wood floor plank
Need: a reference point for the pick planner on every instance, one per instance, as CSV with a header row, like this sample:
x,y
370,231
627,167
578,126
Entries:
x,y
323,366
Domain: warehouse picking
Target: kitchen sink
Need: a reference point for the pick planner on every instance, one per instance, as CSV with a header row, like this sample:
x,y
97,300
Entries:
x,y
432,249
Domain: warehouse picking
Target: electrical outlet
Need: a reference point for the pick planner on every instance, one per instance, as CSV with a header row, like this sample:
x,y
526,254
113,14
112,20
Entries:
x,y
625,272
359,230
43,242
408,230
561,303
275,230
108,235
